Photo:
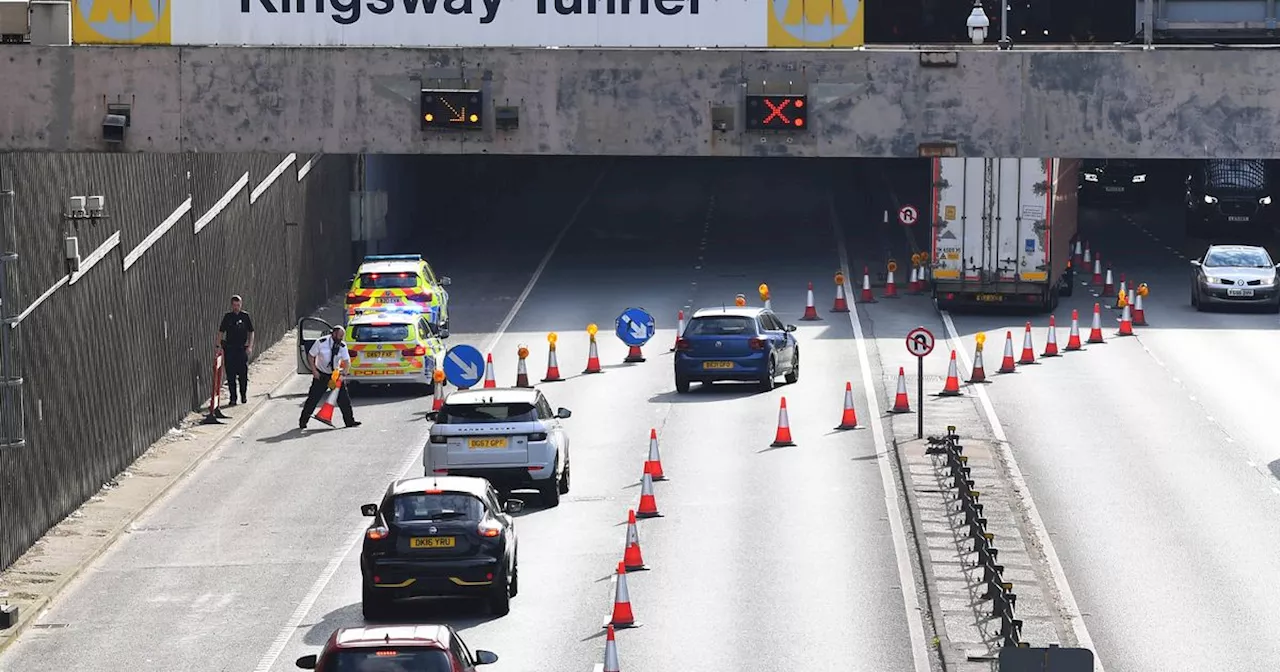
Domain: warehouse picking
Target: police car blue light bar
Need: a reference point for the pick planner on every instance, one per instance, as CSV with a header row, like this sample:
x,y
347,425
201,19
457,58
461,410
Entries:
x,y
393,257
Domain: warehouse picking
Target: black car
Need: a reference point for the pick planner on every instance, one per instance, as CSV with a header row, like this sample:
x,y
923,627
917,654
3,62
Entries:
x,y
444,536
1113,180
1229,197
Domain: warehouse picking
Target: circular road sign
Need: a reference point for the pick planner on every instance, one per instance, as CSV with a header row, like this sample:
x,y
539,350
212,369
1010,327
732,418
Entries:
x,y
907,215
920,342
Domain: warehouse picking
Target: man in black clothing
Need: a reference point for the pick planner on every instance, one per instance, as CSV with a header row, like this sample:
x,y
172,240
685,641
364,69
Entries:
x,y
326,356
235,335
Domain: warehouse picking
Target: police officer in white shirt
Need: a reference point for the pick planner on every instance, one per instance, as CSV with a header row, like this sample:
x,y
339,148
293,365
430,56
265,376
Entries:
x,y
327,355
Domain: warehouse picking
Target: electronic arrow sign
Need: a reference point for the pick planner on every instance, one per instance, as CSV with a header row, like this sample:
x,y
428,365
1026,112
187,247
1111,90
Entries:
x,y
777,112
452,108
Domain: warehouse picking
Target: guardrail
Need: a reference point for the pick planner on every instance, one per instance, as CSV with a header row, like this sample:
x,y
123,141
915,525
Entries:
x,y
999,591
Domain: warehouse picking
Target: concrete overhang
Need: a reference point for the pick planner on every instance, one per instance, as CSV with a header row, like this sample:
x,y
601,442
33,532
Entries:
x,y
1119,102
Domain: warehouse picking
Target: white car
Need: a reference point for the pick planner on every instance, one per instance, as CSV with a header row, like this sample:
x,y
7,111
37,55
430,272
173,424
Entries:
x,y
508,435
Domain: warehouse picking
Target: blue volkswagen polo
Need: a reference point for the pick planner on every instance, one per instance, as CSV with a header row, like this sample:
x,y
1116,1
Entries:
x,y
738,344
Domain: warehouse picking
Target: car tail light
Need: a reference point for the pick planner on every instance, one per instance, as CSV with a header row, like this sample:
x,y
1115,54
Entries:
x,y
950,296
489,529
683,345
538,436
376,533
352,298
757,343
416,352
441,472
419,297
437,438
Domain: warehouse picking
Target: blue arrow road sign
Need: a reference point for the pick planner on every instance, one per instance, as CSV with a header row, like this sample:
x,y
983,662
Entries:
x,y
635,327
463,366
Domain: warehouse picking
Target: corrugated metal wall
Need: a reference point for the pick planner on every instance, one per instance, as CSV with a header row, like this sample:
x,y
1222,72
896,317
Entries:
x,y
117,357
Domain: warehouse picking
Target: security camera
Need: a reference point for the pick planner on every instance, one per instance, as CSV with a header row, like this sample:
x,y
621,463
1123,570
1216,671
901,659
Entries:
x,y
76,207
96,205
978,23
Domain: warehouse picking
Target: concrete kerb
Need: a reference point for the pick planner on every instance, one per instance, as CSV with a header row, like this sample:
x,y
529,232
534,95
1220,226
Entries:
x,y
49,589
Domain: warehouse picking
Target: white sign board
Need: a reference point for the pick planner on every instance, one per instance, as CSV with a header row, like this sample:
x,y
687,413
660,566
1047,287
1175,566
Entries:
x,y
908,215
920,342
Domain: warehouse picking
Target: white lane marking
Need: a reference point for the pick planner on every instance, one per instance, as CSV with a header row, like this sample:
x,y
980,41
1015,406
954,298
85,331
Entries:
x,y
1020,486
542,265
910,598
309,600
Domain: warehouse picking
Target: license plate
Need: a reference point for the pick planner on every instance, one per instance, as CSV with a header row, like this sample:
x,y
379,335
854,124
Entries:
x,y
385,354
481,444
1239,292
432,542
717,365
388,299
1237,218
990,298
1115,189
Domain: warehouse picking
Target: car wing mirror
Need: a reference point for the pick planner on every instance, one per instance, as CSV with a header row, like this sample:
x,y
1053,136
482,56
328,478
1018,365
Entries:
x,y
307,662
485,657
1196,262
369,510
563,413
514,505
433,415
791,327
445,281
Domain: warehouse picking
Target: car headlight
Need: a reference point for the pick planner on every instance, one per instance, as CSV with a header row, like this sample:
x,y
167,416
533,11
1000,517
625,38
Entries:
x,y
1267,282
1139,178
1090,177
1210,199
1265,200
1210,280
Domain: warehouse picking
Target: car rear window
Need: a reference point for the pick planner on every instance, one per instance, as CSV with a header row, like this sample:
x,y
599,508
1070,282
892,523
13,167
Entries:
x,y
1236,174
388,280
1238,259
420,507
464,414
721,325
389,659
380,333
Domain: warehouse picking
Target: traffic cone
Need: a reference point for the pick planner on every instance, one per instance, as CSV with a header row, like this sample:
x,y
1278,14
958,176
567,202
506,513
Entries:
x,y
1108,287
593,358
867,296
952,387
1088,255
632,559
653,465
1095,333
1139,315
848,419
783,437
810,312
610,652
841,304
648,503
522,373
1126,322
325,414
900,402
1073,339
1028,352
553,366
437,402
1078,256
1121,291
1097,271
1051,345
890,289
1008,365
634,355
622,616
488,371
979,374
679,331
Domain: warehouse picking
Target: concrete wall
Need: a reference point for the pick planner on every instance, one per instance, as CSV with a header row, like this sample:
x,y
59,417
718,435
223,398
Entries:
x,y
121,351
1175,103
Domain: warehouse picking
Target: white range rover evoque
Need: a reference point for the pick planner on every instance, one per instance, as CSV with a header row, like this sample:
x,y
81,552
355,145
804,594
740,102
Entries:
x,y
508,435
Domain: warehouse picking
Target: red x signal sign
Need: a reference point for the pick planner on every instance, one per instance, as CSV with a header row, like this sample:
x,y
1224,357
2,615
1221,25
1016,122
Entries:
x,y
777,112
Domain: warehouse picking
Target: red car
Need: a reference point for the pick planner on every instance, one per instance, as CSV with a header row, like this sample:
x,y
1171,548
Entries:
x,y
396,648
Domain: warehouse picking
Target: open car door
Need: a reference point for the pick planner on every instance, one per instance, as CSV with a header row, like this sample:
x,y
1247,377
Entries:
x,y
310,330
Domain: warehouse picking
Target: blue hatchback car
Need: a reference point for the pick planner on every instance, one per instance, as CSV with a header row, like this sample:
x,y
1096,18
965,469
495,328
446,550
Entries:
x,y
737,344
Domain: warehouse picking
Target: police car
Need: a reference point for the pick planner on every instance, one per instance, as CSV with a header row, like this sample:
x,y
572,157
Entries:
x,y
399,281
393,347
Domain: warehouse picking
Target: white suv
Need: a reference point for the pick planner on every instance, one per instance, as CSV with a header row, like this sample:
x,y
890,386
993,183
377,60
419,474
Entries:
x,y
508,435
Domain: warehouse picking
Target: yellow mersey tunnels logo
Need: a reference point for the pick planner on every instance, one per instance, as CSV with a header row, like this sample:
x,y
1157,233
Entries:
x,y
815,23
120,21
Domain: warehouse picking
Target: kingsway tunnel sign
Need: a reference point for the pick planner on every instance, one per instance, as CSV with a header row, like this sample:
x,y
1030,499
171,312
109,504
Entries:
x,y
472,23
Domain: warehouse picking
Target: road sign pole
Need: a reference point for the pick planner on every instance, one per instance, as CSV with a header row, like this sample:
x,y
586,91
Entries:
x,y
920,396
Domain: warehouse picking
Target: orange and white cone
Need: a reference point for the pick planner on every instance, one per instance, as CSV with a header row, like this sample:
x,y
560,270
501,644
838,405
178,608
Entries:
x,y
623,616
1078,256
1028,351
553,366
325,414
680,329
917,281
1073,338
522,373
810,311
488,372
848,419
890,288
593,358
783,437
1097,271
653,465
900,402
1051,345
437,394
1121,291
952,387
648,503
979,374
1108,286
867,296
1095,331
1139,315
1008,365
632,558
634,355
610,652
1126,322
